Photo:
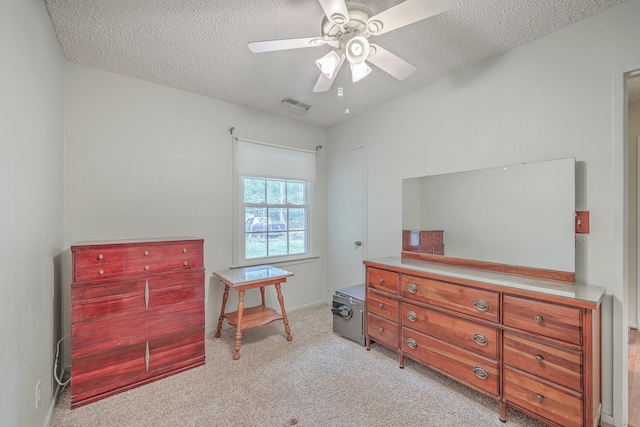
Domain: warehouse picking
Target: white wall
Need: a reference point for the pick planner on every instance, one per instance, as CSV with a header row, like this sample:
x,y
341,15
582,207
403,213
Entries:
x,y
147,161
31,187
549,99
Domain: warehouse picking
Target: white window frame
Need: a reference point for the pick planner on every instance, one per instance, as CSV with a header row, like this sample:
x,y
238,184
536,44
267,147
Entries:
x,y
307,205
239,254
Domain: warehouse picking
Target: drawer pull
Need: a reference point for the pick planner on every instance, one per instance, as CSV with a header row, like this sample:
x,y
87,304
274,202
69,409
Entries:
x,y
146,357
412,343
381,330
481,305
100,256
185,263
412,288
539,359
381,305
538,398
481,340
381,280
184,251
146,267
101,271
538,319
146,253
412,316
146,294
480,372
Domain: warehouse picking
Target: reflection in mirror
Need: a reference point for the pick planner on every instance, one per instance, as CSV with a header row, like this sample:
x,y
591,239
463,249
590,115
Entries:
x,y
518,215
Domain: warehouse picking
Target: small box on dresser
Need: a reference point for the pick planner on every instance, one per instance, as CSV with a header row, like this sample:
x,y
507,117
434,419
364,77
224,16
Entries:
x,y
137,314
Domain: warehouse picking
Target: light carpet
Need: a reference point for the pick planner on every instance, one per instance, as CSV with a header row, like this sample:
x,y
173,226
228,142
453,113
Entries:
x,y
318,379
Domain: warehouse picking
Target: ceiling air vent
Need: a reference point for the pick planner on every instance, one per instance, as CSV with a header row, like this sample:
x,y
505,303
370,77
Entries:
x,y
294,106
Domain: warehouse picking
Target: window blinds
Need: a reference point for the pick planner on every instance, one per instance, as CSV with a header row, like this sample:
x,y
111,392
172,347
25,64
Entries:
x,y
275,161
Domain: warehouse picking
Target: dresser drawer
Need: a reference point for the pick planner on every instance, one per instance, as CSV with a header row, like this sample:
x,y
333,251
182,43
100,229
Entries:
x,y
98,271
562,406
97,264
115,331
462,333
185,263
171,349
433,237
555,364
109,367
550,320
185,249
106,300
469,368
145,252
383,306
383,331
175,318
463,299
384,280
175,289
170,296
146,266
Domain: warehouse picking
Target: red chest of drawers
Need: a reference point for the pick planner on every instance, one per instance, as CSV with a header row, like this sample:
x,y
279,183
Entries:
x,y
137,314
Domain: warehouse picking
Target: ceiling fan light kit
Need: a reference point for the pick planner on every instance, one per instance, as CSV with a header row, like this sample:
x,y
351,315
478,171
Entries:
x,y
347,26
359,71
328,64
357,50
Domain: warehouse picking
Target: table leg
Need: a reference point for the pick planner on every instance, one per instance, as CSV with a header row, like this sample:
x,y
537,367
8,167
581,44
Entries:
x,y
262,292
224,303
236,356
284,313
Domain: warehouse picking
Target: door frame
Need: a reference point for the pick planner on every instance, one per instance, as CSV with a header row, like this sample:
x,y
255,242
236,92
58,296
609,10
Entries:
x,y
619,288
365,222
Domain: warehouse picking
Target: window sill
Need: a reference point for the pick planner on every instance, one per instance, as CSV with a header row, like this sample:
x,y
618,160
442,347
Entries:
x,y
279,262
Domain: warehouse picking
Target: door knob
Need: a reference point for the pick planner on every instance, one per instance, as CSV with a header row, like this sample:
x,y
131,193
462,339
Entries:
x,y
357,243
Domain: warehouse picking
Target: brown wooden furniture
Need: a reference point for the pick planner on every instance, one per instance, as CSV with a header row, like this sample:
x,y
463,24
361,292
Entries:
x,y
531,343
423,241
245,278
137,314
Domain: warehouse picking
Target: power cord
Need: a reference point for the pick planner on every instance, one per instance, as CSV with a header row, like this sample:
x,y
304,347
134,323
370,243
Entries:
x,y
55,367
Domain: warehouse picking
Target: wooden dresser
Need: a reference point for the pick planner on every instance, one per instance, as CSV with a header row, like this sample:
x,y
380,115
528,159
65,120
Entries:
x,y
532,344
137,314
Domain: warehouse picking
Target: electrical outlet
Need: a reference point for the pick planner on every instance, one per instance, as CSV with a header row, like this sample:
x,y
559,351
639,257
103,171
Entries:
x,y
38,394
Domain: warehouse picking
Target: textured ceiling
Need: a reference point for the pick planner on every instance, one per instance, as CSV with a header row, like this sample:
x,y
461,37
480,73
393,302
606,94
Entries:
x,y
200,46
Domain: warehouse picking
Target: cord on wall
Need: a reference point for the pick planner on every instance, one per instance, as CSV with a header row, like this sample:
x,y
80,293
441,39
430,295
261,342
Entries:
x,y
55,367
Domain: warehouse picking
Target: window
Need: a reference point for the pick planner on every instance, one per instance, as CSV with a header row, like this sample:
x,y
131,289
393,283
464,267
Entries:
x,y
274,203
275,217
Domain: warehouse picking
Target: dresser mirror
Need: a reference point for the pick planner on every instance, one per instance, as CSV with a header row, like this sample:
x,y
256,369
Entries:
x,y
520,215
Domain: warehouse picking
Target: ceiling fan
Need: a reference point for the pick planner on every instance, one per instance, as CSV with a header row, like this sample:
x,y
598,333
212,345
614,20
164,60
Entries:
x,y
347,27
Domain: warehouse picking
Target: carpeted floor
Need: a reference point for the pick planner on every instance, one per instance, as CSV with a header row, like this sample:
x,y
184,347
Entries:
x,y
318,379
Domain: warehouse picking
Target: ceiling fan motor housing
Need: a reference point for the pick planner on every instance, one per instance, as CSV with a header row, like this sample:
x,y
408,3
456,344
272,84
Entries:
x,y
338,36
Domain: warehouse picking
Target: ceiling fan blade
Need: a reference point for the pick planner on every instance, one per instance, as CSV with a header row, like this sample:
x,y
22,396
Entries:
x,y
273,45
390,63
406,13
324,83
336,11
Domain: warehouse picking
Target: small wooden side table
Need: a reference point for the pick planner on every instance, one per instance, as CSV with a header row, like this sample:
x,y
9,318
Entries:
x,y
245,278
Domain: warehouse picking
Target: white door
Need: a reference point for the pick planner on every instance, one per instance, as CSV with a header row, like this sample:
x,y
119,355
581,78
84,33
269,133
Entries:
x,y
346,220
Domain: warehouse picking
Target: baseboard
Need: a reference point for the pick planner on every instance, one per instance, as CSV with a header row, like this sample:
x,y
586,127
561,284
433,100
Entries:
x,y
607,419
302,307
54,401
